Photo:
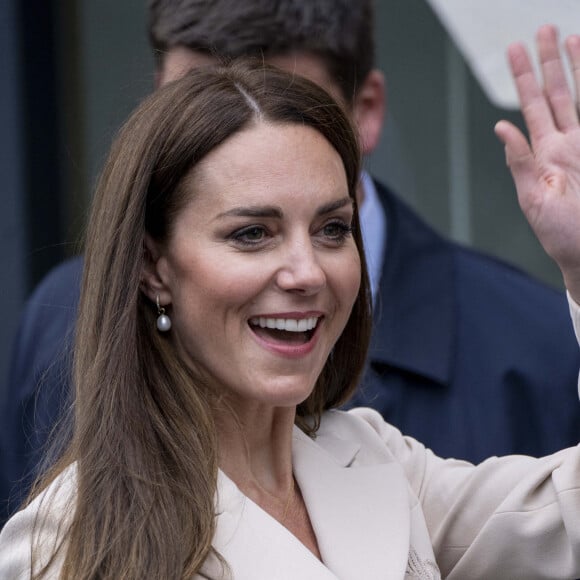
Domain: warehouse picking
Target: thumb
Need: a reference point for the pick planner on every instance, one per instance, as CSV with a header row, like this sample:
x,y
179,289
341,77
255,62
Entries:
x,y
519,158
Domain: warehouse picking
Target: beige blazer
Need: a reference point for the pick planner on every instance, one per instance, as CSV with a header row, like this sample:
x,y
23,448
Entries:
x,y
382,507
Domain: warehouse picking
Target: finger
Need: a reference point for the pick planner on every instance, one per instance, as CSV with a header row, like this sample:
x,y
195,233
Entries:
x,y
535,108
573,50
516,145
555,83
519,158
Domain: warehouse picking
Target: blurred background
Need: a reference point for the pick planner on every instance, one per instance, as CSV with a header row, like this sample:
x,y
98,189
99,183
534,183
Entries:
x,y
72,70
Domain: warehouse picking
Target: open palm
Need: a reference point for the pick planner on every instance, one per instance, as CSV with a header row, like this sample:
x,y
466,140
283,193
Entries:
x,y
546,170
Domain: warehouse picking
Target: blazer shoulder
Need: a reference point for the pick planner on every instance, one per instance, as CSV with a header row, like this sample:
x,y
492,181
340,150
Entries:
x,y
378,442
366,427
41,526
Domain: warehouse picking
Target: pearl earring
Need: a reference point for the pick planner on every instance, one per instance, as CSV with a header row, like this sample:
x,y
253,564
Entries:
x,y
163,321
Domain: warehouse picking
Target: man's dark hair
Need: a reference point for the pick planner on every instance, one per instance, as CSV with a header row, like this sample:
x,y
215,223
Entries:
x,y
340,32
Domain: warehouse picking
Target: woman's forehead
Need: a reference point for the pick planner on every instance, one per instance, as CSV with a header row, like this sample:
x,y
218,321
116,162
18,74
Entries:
x,y
270,155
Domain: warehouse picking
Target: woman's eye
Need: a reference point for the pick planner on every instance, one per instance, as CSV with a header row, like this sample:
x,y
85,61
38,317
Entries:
x,y
337,231
250,235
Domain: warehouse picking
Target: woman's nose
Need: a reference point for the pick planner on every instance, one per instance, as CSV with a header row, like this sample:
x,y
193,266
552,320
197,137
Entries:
x,y
302,271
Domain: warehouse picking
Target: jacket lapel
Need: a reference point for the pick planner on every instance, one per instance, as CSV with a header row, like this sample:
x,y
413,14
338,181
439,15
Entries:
x,y
360,513
415,321
255,545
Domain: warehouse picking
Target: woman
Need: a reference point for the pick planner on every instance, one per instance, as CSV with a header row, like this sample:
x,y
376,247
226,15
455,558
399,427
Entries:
x,y
225,310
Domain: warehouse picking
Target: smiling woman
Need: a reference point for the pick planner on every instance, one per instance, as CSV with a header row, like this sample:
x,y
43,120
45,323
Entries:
x,y
266,235
228,201
209,446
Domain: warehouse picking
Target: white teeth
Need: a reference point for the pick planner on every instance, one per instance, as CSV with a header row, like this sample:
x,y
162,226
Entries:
x,y
287,324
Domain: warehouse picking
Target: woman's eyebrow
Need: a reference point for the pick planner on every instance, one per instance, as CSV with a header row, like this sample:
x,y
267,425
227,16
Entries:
x,y
270,211
334,205
253,211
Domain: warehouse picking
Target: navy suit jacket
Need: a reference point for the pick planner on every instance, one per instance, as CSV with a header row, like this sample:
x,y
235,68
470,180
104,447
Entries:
x,y
469,355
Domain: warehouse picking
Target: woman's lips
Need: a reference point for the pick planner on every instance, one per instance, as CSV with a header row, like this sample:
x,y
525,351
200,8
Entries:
x,y
288,336
285,324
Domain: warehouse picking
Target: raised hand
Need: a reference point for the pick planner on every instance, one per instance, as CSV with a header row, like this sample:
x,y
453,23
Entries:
x,y
546,170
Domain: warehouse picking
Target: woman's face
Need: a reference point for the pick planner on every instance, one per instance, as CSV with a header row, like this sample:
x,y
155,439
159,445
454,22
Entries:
x,y
261,270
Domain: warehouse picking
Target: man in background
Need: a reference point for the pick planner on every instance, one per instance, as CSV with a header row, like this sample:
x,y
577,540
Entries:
x,y
469,355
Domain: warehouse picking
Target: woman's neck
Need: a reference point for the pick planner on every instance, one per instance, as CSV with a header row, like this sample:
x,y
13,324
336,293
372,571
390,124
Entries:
x,y
255,450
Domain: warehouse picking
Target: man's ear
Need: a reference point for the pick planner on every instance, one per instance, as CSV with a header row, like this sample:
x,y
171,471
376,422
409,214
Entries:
x,y
369,109
154,278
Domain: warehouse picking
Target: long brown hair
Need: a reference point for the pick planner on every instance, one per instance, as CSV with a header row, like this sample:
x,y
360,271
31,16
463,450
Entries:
x,y
144,441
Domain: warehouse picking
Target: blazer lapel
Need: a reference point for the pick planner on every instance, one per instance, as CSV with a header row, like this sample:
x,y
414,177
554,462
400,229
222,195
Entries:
x,y
360,513
255,545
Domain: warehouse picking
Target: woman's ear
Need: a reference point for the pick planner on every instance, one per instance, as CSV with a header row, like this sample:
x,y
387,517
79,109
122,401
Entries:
x,y
154,278
369,109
